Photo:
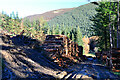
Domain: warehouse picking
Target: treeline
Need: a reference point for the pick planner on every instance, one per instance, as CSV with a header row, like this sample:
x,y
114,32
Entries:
x,y
38,28
73,33
78,17
11,23
106,25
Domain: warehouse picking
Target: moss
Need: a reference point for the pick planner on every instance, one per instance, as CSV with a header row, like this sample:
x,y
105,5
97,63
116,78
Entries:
x,y
117,73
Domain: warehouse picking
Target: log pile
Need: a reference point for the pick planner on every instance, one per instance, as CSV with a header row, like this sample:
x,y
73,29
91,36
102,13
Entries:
x,y
98,55
62,50
104,57
112,58
109,59
116,59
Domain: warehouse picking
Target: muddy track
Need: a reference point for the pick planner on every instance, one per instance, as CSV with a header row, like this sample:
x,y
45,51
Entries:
x,y
90,71
24,62
42,68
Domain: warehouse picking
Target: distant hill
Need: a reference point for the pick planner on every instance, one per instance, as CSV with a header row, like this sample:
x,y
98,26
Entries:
x,y
79,16
72,17
49,15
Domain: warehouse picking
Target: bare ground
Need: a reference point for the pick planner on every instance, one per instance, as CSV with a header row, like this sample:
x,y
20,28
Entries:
x,y
21,61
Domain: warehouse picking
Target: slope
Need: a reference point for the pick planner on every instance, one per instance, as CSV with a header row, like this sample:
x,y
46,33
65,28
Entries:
x,y
49,15
79,16
23,62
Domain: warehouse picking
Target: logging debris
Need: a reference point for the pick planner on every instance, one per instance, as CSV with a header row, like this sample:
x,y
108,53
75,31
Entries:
x,y
115,58
62,50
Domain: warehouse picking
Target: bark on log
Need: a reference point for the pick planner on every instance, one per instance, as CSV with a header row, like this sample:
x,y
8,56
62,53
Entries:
x,y
53,41
64,49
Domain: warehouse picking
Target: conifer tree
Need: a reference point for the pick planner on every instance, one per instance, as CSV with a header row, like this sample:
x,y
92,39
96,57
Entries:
x,y
73,37
65,31
101,23
48,31
60,31
53,30
79,37
57,29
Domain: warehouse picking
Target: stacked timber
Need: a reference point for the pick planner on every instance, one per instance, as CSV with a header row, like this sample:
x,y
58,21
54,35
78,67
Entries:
x,y
104,56
112,59
98,55
116,59
62,50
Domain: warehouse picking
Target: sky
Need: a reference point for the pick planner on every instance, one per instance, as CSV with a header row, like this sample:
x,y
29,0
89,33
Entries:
x,y
31,7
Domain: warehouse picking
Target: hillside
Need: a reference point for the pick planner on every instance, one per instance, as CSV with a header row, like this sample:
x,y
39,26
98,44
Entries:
x,y
21,61
77,17
36,51
69,17
49,15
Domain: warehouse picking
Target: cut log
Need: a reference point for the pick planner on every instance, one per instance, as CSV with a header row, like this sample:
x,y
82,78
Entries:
x,y
104,57
50,50
53,46
47,44
53,41
114,70
98,55
64,49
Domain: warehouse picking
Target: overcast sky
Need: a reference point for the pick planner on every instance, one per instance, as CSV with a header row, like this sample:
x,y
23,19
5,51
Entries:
x,y
31,7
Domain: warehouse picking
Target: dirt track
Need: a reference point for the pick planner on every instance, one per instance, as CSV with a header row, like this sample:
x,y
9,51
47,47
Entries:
x,y
23,62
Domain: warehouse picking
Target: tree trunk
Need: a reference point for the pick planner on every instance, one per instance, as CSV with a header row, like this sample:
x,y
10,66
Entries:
x,y
118,27
113,35
111,45
113,30
105,39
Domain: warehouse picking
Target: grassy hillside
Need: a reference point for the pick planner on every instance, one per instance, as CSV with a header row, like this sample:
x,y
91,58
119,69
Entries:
x,y
77,17
48,15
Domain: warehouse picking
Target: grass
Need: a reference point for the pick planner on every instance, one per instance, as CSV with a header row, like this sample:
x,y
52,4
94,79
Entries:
x,y
92,54
117,73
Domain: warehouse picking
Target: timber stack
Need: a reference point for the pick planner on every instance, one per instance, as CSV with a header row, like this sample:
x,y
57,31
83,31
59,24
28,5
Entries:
x,y
112,58
116,59
62,50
